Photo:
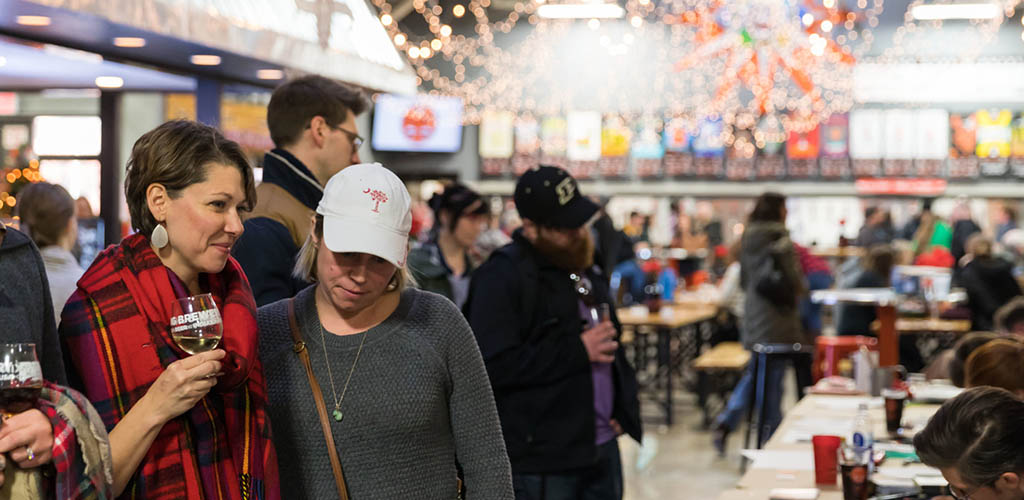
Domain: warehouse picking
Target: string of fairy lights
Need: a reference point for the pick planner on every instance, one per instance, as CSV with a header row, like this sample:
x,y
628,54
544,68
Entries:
x,y
767,65
916,39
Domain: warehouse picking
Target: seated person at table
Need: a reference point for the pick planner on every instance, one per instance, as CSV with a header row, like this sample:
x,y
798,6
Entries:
x,y
976,439
988,280
998,363
1010,318
876,272
949,364
857,319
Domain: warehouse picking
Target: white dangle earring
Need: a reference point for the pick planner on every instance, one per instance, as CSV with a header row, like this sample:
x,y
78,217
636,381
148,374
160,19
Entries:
x,y
159,237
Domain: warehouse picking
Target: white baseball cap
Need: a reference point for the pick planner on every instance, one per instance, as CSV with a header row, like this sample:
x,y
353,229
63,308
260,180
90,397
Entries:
x,y
366,209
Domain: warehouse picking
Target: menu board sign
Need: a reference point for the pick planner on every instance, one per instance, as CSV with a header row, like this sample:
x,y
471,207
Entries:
x,y
835,147
527,149
770,138
802,149
994,138
866,142
648,149
554,140
740,165
615,138
1017,147
932,140
709,148
678,159
497,139
963,164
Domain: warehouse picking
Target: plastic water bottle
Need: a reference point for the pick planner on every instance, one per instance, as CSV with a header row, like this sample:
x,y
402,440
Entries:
x,y
668,282
863,437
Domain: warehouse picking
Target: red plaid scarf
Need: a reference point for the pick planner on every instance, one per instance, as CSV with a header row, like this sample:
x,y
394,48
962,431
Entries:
x,y
115,330
80,455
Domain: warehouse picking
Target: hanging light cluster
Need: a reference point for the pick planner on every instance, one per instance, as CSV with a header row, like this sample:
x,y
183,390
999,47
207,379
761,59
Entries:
x,y
744,60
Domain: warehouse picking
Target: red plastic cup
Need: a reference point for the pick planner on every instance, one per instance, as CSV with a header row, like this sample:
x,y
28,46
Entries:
x,y
826,451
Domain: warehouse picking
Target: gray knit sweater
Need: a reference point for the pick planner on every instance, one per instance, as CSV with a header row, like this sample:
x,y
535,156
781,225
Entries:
x,y
418,401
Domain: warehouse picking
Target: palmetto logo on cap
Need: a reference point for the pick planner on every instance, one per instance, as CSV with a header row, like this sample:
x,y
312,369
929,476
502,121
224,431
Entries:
x,y
378,197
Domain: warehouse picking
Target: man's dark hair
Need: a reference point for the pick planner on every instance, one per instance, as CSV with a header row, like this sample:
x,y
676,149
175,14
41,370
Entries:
x,y
1010,212
881,259
870,212
297,101
962,350
1010,315
978,433
454,200
768,208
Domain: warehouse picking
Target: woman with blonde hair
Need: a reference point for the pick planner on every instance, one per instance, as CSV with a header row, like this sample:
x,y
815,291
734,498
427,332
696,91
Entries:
x,y
365,373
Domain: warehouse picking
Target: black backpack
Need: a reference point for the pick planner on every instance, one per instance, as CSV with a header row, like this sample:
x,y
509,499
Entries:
x,y
771,282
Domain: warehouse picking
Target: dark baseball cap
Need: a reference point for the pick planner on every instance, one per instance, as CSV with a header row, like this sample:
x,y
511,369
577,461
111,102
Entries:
x,y
549,196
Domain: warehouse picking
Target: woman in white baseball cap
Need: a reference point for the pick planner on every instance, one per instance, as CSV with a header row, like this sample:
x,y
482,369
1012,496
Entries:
x,y
366,373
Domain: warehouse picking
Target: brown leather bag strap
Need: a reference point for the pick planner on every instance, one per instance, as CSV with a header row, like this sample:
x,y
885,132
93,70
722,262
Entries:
x,y
318,397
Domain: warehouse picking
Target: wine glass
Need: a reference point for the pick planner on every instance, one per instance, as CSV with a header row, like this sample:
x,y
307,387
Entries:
x,y
21,378
198,327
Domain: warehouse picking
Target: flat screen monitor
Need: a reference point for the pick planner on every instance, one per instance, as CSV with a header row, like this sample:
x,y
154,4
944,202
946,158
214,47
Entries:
x,y
417,123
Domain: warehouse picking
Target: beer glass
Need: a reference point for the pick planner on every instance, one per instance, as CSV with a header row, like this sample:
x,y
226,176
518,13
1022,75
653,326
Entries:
x,y
197,327
21,378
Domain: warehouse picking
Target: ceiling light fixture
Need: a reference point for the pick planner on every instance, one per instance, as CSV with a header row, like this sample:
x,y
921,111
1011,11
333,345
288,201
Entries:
x,y
581,11
109,82
130,42
269,74
205,60
33,20
936,12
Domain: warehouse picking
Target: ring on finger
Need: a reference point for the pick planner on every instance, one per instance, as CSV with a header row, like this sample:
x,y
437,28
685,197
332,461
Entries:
x,y
31,454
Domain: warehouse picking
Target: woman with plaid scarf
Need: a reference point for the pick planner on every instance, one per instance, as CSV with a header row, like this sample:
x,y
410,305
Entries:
x,y
181,426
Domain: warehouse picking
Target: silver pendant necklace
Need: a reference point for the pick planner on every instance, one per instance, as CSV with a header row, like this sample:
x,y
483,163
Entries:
x,y
337,414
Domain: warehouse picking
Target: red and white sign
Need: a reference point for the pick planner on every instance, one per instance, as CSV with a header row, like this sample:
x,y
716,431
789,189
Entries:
x,y
915,187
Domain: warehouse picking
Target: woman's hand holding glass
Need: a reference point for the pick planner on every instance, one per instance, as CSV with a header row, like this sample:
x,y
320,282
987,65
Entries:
x,y
27,439
183,383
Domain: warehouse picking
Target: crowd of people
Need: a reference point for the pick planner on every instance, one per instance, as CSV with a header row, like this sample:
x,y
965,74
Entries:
x,y
352,362
356,361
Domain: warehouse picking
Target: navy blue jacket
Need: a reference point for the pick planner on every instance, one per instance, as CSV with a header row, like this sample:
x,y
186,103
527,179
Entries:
x,y
267,249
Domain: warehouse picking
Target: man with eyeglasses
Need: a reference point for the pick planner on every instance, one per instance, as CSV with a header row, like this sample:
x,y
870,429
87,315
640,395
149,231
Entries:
x,y
312,121
563,388
977,440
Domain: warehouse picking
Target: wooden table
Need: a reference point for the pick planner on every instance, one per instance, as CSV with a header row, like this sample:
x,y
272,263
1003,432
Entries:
x,y
924,325
837,253
884,300
756,484
671,319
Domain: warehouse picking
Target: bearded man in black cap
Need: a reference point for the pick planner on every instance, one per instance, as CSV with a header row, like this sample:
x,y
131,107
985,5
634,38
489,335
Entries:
x,y
563,387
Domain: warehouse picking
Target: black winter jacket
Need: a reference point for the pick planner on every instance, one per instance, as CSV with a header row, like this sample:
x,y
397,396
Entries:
x,y
538,366
990,284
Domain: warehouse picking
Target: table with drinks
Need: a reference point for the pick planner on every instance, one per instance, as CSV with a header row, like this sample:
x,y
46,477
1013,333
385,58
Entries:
x,y
832,447
670,323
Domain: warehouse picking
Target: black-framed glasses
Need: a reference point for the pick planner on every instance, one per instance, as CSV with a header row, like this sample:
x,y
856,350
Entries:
x,y
357,140
965,495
